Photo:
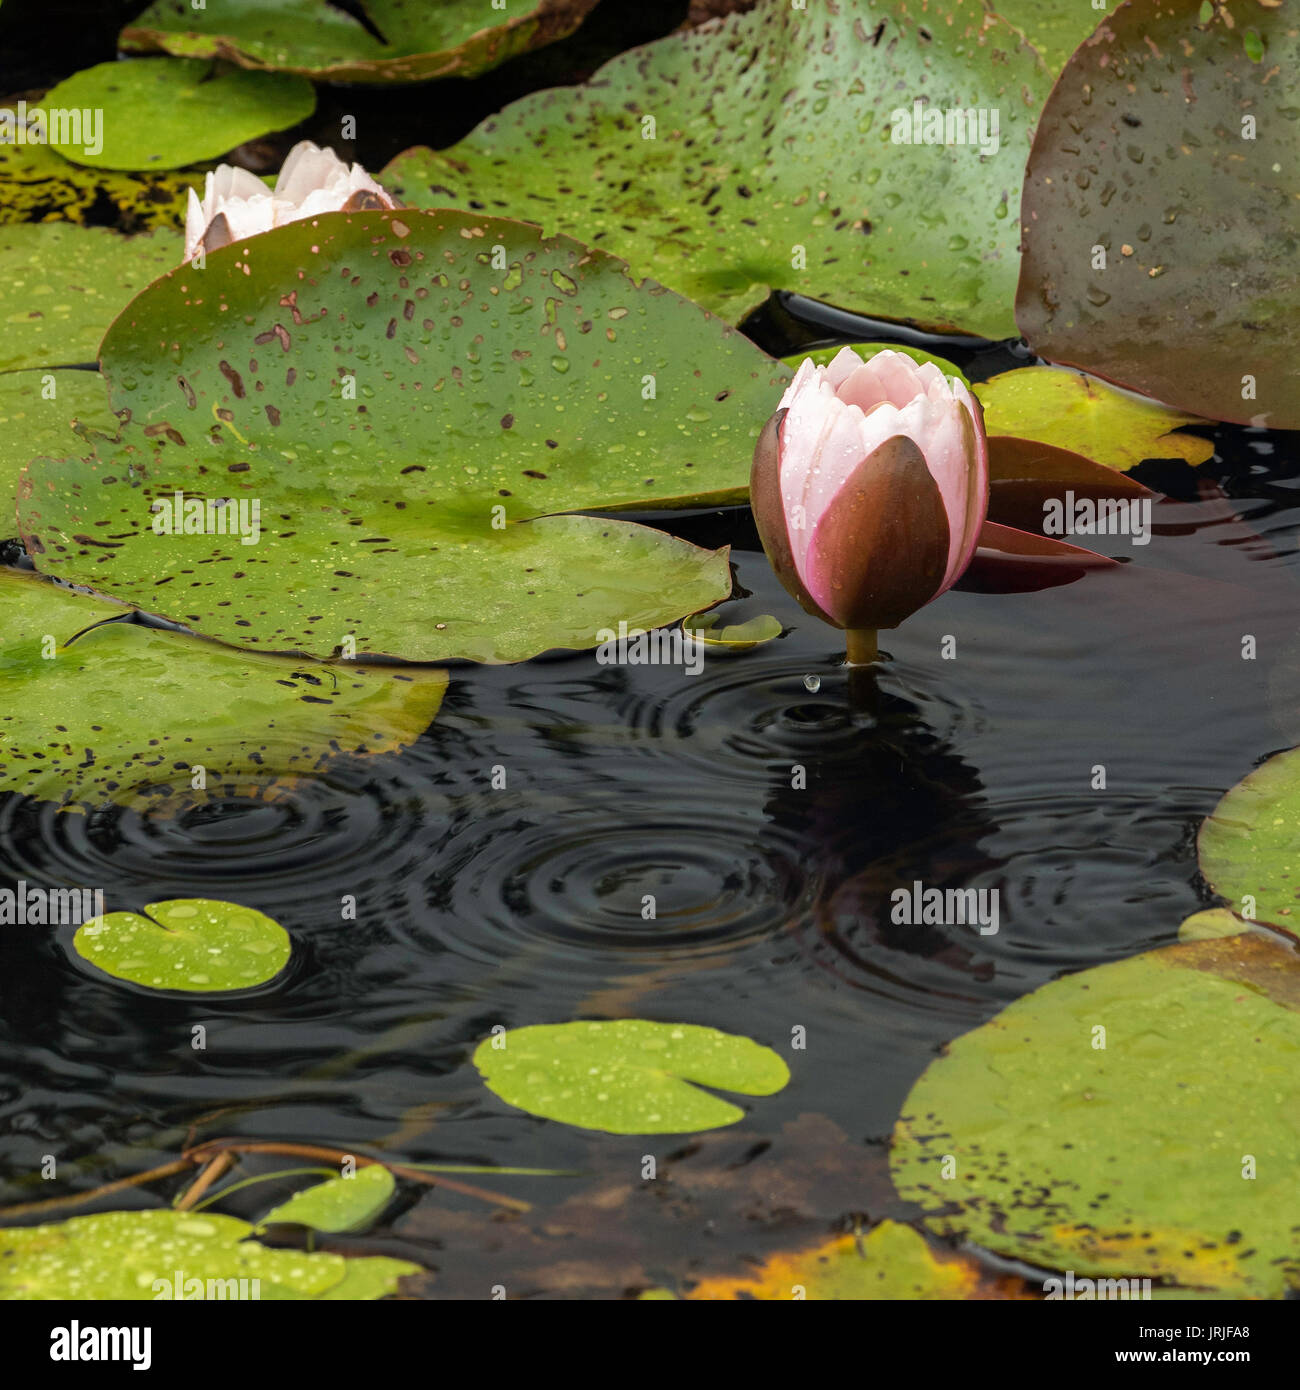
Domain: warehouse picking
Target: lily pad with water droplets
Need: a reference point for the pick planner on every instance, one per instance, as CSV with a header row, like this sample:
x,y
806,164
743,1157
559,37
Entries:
x,y
1139,1119
162,113
339,1204
96,710
193,944
1054,27
45,413
628,1076
138,1255
398,42
416,401
760,153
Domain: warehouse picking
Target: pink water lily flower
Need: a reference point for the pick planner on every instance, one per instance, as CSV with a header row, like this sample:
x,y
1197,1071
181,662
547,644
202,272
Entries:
x,y
869,487
237,204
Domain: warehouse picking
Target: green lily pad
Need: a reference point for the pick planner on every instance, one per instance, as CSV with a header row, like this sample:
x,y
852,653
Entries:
x,y
1169,1152
38,185
808,191
733,637
1249,849
193,944
164,704
411,398
1054,27
892,1261
162,113
45,413
823,357
415,42
339,1204
628,1076
374,1276
1211,925
1165,145
62,285
137,1255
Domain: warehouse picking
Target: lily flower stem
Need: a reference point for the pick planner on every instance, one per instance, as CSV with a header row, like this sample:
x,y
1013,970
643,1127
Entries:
x,y
862,646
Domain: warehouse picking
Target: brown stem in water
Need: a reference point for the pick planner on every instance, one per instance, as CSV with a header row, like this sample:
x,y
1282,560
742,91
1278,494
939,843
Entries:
x,y
219,1166
78,1199
862,646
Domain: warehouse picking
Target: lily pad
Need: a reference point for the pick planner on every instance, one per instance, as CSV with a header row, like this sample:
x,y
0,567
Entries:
x,y
137,1255
1250,849
126,713
45,413
417,396
1164,1147
62,285
1054,27
628,1076
824,356
192,944
891,1261
38,185
1165,146
340,1204
733,637
808,190
162,113
400,42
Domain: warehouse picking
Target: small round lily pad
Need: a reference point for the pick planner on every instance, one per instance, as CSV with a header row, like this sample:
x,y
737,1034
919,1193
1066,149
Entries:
x,y
338,1204
628,1076
194,944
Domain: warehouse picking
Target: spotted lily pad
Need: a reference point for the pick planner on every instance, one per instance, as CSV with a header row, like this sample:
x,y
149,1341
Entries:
x,y
339,1204
130,714
1054,27
1250,849
401,42
413,399
141,1255
628,1076
45,413
162,113
891,1261
811,190
1161,212
62,285
192,944
1162,1146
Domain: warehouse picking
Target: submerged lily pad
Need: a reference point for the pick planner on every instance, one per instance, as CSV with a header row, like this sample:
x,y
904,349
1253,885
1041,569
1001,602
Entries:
x,y
1250,847
410,398
126,713
138,1254
162,113
1164,1146
628,1076
807,189
401,42
45,413
1165,147
891,1261
62,285
339,1204
192,944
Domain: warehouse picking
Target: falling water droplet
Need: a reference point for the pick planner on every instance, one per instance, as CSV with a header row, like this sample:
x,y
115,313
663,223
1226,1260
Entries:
x,y
812,684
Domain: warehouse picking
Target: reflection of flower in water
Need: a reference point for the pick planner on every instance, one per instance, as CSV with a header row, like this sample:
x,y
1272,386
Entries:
x,y
237,204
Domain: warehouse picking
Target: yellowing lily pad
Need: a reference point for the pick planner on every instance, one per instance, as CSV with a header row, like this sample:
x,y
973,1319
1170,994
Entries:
x,y
892,1261
339,1204
628,1076
1140,1119
1249,847
193,944
162,113
170,1255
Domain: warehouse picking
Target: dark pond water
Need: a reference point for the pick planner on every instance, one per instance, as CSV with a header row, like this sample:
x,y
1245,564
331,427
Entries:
x,y
521,905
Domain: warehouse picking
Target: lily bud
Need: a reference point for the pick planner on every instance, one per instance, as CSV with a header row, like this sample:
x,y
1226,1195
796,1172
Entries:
x,y
237,204
869,487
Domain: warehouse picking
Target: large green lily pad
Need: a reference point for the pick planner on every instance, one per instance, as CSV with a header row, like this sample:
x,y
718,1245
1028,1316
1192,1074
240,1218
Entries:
x,y
124,713
412,398
628,1076
415,41
1250,847
1054,27
45,413
62,285
136,1255
772,163
162,113
1133,1158
338,1204
192,944
1164,143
